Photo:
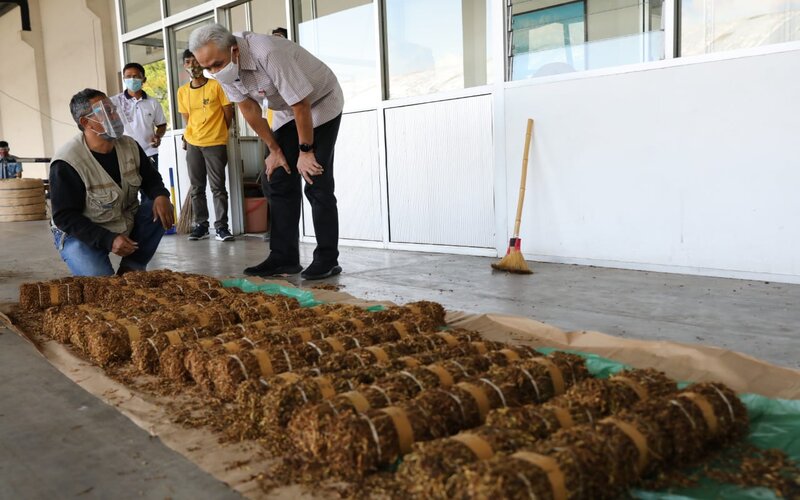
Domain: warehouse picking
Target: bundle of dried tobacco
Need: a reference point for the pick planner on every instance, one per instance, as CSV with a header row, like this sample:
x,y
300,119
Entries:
x,y
361,443
309,426
425,471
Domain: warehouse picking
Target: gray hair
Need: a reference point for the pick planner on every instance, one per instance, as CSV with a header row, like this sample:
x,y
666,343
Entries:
x,y
211,33
80,106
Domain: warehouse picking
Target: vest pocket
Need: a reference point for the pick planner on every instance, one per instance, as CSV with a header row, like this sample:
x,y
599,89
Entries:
x,y
134,184
102,205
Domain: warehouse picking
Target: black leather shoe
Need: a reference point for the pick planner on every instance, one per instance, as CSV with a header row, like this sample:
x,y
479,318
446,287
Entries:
x,y
272,268
320,271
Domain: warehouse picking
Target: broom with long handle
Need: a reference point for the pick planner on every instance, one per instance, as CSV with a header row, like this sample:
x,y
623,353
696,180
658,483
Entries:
x,y
185,220
514,261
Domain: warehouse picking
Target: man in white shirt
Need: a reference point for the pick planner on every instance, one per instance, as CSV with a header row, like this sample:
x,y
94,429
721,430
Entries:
x,y
142,115
271,72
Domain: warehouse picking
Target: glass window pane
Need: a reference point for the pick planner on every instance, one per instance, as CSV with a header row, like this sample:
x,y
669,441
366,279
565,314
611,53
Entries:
x,y
267,15
138,13
343,37
717,25
176,6
551,37
436,46
149,52
180,42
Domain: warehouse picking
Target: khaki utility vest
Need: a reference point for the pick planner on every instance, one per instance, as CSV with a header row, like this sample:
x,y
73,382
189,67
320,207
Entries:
x,y
108,204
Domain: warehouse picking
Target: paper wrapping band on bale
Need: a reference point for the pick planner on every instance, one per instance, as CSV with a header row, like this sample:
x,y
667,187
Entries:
x,y
563,416
559,387
705,408
264,363
476,444
400,328
358,401
410,361
554,474
480,397
638,439
480,347
405,433
445,377
134,334
305,333
357,323
232,347
335,344
325,387
635,386
289,377
510,355
379,353
448,339
173,337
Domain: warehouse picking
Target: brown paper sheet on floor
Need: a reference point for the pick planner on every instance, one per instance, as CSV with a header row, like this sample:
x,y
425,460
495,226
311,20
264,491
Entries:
x,y
696,363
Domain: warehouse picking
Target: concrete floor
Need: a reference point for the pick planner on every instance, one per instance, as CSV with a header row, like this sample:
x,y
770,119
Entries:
x,y
56,441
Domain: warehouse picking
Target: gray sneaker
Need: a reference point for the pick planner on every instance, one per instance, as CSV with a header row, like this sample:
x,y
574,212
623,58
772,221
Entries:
x,y
199,232
224,235
266,236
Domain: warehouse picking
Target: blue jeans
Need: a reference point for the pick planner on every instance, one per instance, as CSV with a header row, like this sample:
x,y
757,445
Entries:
x,y
85,260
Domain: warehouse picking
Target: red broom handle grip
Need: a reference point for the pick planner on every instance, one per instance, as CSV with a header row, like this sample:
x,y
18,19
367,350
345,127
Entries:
x,y
523,179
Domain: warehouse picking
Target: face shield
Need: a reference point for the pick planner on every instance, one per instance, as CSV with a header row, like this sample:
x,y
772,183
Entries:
x,y
105,113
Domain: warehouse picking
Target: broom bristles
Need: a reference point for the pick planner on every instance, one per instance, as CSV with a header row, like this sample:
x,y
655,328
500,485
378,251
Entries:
x,y
513,262
185,220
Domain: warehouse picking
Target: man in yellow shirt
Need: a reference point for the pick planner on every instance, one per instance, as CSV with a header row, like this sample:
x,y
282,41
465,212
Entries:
x,y
207,114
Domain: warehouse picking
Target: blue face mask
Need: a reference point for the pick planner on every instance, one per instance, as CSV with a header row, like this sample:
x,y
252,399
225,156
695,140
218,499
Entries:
x,y
132,84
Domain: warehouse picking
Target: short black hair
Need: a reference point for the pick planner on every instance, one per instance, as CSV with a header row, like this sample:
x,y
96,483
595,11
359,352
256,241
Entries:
x,y
282,31
79,104
3,144
187,54
136,66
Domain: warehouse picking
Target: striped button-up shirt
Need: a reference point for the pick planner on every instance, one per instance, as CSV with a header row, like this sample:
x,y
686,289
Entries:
x,y
278,73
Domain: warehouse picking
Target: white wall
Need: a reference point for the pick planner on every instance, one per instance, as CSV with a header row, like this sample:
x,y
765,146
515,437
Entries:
x,y
689,168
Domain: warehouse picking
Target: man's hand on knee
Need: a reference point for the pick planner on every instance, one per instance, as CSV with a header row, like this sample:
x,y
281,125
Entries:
x,y
123,246
163,211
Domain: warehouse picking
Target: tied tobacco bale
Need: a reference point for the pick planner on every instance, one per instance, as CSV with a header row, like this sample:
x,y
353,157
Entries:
x,y
310,424
146,352
604,460
586,402
258,306
425,471
110,341
455,340
227,368
119,341
702,417
44,294
361,443
230,369
579,462
249,406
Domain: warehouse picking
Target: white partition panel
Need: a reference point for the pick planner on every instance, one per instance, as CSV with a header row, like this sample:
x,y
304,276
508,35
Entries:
x,y
356,171
440,165
686,168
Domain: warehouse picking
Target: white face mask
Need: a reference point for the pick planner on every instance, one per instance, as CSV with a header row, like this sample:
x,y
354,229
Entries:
x,y
226,75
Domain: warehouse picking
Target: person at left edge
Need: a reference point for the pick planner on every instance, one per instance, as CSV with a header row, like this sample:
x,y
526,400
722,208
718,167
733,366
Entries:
x,y
95,179
141,114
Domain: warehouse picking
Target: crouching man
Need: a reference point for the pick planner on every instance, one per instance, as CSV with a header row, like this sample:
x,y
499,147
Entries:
x,y
94,184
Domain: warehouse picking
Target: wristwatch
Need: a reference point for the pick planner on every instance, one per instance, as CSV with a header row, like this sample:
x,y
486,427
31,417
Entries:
x,y
305,148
